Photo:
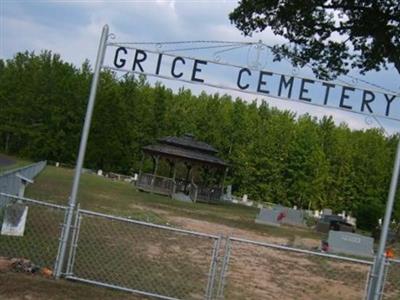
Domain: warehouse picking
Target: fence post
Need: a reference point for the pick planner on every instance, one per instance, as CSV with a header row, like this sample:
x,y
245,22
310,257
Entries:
x,y
378,269
224,268
82,150
74,240
213,269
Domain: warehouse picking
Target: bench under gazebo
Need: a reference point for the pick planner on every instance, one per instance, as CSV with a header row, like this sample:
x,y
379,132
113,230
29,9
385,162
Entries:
x,y
183,168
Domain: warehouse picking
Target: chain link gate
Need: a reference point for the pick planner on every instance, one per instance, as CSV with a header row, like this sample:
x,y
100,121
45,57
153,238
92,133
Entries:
x,y
391,283
143,258
257,270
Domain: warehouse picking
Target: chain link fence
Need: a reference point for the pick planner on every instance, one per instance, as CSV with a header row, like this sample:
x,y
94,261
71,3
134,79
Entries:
x,y
391,289
149,259
171,263
30,230
255,270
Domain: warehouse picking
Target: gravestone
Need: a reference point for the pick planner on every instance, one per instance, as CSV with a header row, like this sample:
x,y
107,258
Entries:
x,y
229,192
294,217
268,217
279,214
327,211
350,243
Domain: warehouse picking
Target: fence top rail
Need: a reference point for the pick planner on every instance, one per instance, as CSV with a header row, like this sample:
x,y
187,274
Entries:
x,y
8,172
121,288
34,201
394,260
89,212
287,248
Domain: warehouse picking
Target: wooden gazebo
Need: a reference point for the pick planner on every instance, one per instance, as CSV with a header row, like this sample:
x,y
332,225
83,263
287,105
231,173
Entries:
x,y
195,157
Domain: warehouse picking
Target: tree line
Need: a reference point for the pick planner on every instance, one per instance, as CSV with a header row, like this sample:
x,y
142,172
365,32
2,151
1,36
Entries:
x,y
274,155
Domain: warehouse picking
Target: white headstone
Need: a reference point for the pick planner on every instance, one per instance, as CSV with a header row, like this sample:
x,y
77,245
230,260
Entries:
x,y
135,177
244,199
57,164
229,191
351,220
327,211
100,172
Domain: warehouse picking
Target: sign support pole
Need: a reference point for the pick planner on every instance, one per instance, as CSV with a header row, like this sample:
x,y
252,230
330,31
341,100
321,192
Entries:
x,y
82,150
375,290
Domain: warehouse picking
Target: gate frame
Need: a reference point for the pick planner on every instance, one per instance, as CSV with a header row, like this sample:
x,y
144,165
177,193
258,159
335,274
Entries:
x,y
212,271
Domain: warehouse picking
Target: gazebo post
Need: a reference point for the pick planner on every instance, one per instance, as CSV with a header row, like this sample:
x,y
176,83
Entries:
x,y
223,182
156,161
173,178
192,182
189,168
141,167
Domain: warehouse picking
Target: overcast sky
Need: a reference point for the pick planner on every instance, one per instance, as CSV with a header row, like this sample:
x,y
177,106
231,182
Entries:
x,y
72,29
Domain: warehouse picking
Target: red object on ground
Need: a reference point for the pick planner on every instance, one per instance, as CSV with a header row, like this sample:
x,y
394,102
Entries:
x,y
281,216
389,253
325,246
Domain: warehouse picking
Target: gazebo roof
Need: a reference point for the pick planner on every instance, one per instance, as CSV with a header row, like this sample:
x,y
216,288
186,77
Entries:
x,y
188,141
186,147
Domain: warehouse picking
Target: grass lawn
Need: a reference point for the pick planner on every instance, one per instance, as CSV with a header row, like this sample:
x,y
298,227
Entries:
x,y
122,199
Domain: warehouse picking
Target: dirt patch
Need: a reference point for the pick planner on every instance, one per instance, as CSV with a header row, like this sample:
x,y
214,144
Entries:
x,y
306,243
17,286
266,273
218,229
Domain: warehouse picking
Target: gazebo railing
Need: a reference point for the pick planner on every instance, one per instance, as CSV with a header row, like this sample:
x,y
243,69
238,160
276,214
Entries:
x,y
157,184
167,186
209,194
144,180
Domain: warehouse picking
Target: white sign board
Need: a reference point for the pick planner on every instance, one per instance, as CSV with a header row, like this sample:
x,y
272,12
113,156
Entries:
x,y
14,220
260,82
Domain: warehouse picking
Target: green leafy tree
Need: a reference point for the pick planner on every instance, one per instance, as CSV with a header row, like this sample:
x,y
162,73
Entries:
x,y
333,36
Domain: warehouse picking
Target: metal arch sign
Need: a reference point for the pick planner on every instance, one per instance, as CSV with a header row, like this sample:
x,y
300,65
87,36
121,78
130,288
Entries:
x,y
258,82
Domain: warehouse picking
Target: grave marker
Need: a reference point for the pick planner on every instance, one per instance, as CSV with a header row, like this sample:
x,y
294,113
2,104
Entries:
x,y
350,243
